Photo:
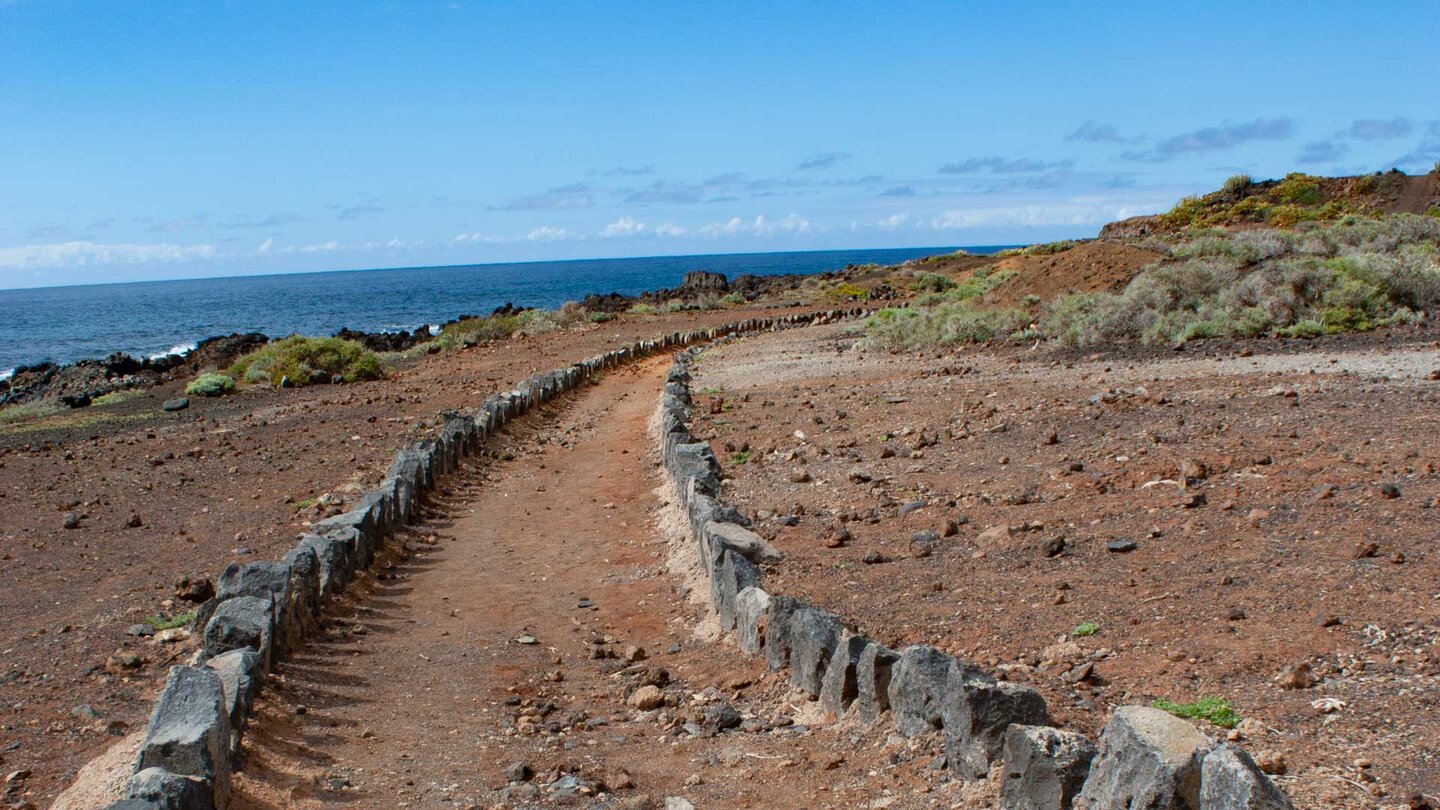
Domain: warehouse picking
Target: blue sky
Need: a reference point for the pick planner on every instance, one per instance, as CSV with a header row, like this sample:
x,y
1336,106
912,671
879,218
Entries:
x,y
147,140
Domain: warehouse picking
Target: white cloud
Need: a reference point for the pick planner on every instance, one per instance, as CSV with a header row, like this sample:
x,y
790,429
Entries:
x,y
630,226
1078,211
759,226
321,247
625,226
548,233
265,246
893,221
84,254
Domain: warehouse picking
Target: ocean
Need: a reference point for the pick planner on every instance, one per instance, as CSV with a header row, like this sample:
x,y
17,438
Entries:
x,y
152,318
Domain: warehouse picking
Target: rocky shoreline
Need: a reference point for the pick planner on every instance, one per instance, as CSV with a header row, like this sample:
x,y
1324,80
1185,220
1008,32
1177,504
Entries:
x,y
79,384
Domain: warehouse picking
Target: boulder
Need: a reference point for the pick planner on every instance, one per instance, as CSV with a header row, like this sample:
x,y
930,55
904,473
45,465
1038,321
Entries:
x,y
736,573
305,591
977,712
189,731
838,688
1230,780
242,622
778,617
1148,759
161,788
751,607
333,553
814,634
1044,767
265,580
241,677
872,680
917,690
741,540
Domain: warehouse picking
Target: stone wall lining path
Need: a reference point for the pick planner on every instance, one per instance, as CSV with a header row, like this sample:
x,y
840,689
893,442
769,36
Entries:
x,y
1145,758
264,611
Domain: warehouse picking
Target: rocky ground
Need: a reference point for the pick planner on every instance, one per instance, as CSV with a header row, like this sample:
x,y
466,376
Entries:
x,y
1250,521
107,508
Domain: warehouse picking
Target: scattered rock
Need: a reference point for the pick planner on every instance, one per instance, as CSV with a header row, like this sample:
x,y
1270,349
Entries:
x,y
72,520
1295,676
177,404
646,698
1121,546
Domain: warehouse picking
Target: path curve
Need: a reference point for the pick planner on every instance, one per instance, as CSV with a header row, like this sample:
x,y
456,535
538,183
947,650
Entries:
x,y
422,693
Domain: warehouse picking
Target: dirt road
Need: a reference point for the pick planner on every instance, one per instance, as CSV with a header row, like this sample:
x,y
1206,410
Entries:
x,y
478,652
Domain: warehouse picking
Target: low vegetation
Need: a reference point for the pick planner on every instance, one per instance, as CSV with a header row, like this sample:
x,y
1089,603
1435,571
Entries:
x,y
158,623
1085,629
1217,710
1355,274
210,385
15,414
298,360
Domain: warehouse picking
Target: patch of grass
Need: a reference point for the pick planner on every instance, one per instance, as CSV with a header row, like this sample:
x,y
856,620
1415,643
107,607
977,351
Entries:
x,y
210,385
30,411
845,291
1217,710
115,397
303,359
1237,184
158,623
742,457
599,317
1085,629
949,324
642,309
305,503
733,299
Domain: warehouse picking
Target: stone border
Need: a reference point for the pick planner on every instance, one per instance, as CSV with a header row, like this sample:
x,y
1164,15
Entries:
x,y
1146,758
263,610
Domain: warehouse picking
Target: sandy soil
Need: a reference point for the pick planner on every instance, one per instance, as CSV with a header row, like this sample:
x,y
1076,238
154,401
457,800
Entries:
x,y
1279,497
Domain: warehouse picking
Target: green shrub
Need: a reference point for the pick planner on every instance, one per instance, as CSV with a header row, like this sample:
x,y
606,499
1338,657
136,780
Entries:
x,y
948,324
1049,248
1237,184
1217,710
932,282
302,359
210,385
733,299
642,309
1085,629
158,623
1298,189
599,317
845,291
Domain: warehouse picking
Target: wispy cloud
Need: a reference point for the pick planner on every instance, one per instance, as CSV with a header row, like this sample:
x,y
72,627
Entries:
x,y
1322,152
85,254
357,211
1215,139
265,246
1092,132
1376,129
624,171
44,231
561,197
544,233
277,220
898,191
1073,212
824,160
177,225
997,165
1426,153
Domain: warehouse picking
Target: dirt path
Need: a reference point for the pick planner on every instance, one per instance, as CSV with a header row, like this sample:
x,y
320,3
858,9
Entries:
x,y
425,692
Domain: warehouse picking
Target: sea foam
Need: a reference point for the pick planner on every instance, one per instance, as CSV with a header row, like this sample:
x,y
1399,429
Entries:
x,y
179,348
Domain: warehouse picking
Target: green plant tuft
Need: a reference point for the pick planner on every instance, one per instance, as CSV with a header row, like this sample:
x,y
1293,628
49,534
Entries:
x,y
302,360
210,384
1217,710
1085,629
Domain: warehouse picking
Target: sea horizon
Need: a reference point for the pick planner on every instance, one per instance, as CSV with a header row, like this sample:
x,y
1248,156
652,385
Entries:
x,y
154,318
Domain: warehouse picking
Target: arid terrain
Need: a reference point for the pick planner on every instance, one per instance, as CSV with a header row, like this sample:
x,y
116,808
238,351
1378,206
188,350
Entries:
x,y
1250,520
1135,505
